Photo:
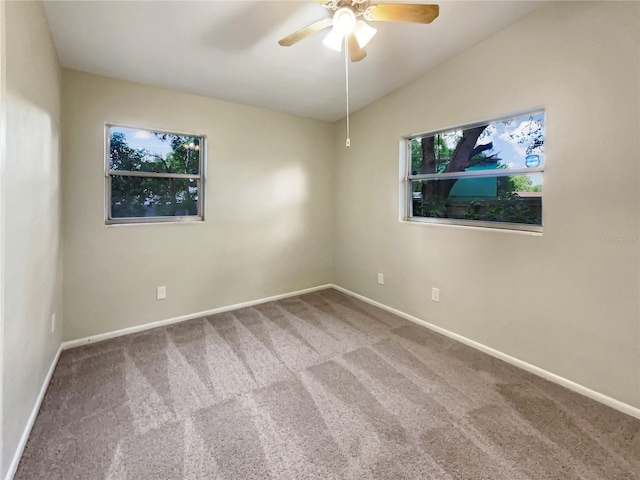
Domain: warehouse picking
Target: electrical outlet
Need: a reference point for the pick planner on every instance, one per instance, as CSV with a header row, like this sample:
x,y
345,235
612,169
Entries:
x,y
435,294
161,293
53,323
381,278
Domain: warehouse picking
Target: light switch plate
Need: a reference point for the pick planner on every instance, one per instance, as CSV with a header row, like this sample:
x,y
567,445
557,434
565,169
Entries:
x,y
161,293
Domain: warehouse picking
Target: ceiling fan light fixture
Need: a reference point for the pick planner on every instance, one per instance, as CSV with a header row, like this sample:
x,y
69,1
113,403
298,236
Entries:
x,y
364,33
344,21
333,40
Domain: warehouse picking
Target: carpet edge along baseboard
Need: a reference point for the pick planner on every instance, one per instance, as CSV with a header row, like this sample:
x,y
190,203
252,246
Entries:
x,y
547,375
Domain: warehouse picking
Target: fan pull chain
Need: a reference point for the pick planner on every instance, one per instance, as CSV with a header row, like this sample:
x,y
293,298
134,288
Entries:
x,y
346,70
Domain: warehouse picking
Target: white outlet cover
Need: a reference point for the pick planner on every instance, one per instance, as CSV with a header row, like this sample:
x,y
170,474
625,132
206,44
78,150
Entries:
x,y
435,294
381,278
161,293
53,323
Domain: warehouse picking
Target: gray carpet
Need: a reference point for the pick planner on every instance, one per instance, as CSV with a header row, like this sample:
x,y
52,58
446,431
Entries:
x,y
320,386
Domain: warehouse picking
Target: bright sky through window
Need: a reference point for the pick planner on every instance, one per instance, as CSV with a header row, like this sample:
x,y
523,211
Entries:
x,y
145,140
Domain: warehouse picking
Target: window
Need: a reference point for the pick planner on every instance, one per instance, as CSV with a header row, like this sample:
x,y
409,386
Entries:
x,y
154,176
487,174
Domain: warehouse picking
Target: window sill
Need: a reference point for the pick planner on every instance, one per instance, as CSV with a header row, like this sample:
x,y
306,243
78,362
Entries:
x,y
134,223
535,231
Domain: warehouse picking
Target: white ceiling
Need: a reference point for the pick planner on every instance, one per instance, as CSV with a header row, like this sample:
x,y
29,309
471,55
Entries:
x,y
229,50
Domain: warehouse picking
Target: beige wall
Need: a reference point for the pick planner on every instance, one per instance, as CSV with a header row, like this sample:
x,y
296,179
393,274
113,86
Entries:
x,y
268,227
32,261
565,301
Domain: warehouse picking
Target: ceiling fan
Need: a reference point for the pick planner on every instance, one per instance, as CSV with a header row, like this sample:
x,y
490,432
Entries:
x,y
349,28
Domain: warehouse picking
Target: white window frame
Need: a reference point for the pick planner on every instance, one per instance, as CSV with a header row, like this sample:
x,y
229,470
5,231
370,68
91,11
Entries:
x,y
407,178
109,174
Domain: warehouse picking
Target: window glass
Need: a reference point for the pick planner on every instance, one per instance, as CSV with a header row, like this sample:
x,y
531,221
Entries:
x,y
511,199
153,197
488,172
153,175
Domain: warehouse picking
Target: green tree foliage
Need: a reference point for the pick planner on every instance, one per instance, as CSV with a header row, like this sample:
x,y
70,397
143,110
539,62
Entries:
x,y
184,157
518,183
127,193
134,196
416,156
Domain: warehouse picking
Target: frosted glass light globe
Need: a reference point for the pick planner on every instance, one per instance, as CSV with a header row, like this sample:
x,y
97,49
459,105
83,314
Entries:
x,y
344,21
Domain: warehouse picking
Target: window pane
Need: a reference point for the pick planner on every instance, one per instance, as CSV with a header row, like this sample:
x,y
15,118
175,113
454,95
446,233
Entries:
x,y
145,151
512,199
133,197
516,143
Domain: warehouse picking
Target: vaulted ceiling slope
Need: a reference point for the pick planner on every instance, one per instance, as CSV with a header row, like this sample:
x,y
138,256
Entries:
x,y
229,49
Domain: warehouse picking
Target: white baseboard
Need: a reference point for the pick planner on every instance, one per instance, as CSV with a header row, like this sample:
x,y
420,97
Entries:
x,y
13,467
576,387
160,323
552,377
571,385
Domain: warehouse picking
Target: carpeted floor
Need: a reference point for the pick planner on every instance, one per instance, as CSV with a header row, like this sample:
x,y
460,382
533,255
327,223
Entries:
x,y
320,386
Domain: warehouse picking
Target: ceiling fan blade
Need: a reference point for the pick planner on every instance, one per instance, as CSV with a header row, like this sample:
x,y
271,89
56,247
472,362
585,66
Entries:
x,y
303,33
356,52
402,13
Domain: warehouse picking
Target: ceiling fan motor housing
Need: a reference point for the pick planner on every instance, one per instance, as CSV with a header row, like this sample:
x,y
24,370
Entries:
x,y
346,22
356,6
